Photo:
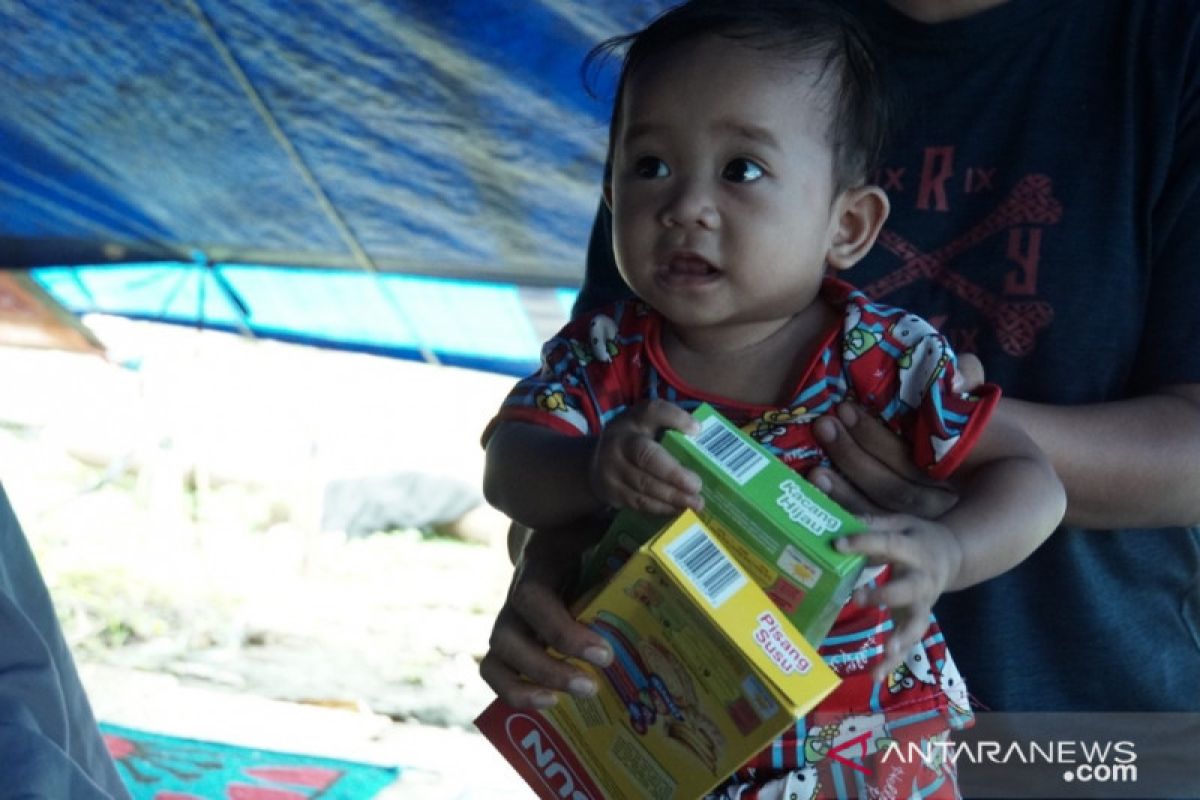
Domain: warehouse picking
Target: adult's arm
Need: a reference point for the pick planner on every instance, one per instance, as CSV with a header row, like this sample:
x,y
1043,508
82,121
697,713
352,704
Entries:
x,y
1124,464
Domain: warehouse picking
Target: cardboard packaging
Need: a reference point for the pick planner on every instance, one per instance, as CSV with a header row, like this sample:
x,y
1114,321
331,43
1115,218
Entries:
x,y
706,673
779,527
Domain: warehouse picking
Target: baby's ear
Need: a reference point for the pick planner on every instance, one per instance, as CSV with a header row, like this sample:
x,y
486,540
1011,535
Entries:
x,y
858,218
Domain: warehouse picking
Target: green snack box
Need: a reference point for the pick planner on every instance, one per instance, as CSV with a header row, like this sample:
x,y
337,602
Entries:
x,y
777,525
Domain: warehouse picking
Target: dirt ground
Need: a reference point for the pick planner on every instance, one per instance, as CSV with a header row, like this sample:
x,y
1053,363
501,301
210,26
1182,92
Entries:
x,y
173,503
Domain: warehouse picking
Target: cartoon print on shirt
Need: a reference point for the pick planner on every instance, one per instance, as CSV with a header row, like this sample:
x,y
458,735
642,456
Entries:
x,y
941,446
774,424
953,686
858,338
853,737
924,358
911,329
550,400
802,783
601,345
915,669
554,400
602,333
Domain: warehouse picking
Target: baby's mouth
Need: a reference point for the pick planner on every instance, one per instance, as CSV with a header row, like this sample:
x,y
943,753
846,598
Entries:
x,y
686,269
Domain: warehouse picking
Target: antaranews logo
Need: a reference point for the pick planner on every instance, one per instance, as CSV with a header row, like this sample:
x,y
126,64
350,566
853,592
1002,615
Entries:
x,y
1082,760
1022,754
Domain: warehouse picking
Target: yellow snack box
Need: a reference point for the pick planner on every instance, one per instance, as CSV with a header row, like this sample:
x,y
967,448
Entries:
x,y
706,673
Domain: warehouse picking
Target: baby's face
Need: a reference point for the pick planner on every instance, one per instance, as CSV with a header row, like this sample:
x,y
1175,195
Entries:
x,y
722,185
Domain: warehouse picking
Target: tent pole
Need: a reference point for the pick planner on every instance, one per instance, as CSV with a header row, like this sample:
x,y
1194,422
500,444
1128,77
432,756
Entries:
x,y
348,237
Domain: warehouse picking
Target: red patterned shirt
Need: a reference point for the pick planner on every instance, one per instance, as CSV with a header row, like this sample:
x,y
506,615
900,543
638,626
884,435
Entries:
x,y
895,366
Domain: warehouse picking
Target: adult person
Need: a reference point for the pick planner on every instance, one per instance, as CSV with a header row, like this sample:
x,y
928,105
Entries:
x,y
49,744
1045,192
729,239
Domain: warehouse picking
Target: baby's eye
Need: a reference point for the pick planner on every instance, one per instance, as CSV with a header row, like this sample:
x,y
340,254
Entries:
x,y
742,170
651,167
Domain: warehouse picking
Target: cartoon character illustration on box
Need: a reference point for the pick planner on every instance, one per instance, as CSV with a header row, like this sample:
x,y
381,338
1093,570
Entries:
x,y
641,691
915,669
699,735
644,592
681,692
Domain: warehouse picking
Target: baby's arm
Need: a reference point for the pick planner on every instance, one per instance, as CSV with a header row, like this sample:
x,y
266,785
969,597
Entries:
x,y
542,478
1010,502
538,476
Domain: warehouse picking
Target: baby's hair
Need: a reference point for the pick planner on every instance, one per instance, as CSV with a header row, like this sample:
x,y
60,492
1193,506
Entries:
x,y
817,31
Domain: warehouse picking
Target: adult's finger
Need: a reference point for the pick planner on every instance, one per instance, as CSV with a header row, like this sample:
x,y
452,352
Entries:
x,y
546,574
842,491
517,666
522,672
969,374
515,653
879,465
540,606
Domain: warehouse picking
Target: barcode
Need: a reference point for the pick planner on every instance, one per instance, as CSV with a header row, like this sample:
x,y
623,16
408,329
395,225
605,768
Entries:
x,y
706,565
737,459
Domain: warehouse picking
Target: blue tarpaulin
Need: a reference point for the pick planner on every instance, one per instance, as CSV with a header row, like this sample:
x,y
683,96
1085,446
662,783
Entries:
x,y
388,160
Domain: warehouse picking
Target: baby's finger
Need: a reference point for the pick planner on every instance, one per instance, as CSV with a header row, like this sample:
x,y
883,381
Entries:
x,y
907,631
904,590
651,462
656,415
651,459
644,492
646,504
885,541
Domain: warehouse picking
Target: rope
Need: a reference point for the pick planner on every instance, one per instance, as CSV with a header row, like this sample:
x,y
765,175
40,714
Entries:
x,y
360,254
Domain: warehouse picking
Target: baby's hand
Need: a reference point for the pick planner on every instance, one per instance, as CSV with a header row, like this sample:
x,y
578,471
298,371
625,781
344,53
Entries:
x,y
925,558
630,469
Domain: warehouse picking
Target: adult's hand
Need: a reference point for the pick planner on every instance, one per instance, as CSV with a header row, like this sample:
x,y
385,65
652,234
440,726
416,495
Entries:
x,y
535,616
874,466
